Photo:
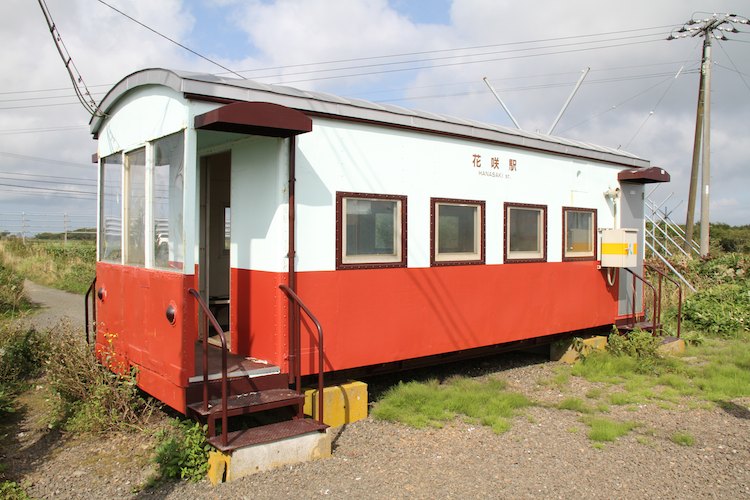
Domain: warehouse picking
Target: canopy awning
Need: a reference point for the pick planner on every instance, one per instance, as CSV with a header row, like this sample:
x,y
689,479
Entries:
x,y
255,118
644,175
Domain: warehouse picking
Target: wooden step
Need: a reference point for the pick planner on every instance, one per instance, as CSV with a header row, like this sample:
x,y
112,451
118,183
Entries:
x,y
237,385
267,433
251,402
646,326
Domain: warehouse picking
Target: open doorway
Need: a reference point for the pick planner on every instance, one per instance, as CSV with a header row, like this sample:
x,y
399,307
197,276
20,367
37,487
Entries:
x,y
215,226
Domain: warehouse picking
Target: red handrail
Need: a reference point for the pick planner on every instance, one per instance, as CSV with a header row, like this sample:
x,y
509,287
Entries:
x,y
293,297
90,292
209,317
636,275
664,275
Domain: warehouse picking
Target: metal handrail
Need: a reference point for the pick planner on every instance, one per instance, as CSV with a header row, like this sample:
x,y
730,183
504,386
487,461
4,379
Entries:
x,y
293,297
636,275
210,318
664,275
89,293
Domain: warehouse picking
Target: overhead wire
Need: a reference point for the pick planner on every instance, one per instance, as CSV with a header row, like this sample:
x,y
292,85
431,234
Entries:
x,y
170,39
82,92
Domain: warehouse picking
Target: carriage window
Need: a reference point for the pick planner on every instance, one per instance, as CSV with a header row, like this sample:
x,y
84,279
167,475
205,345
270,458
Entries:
x,y
370,230
525,233
579,234
168,179
457,232
110,223
135,207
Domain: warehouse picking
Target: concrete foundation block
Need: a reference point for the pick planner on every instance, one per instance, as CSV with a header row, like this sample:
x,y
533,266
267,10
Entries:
x,y
672,346
263,457
569,351
342,404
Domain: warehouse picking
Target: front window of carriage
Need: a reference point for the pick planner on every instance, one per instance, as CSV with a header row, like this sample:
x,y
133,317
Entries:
x,y
150,176
110,223
135,207
168,187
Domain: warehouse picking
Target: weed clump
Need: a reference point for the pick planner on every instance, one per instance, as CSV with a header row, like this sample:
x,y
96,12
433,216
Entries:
x,y
22,356
92,396
182,452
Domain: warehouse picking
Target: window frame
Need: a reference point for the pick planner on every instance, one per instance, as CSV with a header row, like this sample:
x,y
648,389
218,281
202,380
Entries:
x,y
341,220
434,227
507,256
594,252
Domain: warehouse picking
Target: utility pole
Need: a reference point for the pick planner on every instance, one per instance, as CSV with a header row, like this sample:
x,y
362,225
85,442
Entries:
x,y
710,27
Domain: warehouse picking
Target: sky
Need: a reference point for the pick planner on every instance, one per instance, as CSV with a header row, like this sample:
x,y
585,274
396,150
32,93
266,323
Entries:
x,y
640,93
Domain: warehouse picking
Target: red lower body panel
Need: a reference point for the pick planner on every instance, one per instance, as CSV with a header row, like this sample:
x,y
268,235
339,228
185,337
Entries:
x,y
384,315
133,329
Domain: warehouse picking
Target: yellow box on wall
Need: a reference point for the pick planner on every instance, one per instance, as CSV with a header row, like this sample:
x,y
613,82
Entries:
x,y
342,404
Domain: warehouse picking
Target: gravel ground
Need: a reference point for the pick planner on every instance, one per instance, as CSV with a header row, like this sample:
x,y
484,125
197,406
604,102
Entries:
x,y
546,454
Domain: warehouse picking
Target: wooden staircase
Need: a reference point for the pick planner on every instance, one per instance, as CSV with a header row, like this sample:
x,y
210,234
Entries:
x,y
254,388
231,389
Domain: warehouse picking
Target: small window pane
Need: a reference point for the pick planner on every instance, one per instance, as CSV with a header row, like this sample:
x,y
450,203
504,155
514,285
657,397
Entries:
x,y
579,233
110,225
372,230
457,231
525,233
524,230
168,190
135,185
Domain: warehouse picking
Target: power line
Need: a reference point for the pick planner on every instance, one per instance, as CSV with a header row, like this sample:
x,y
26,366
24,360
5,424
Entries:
x,y
170,39
51,190
82,92
46,160
437,51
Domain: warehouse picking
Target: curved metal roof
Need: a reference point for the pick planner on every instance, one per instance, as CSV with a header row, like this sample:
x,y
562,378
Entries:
x,y
212,87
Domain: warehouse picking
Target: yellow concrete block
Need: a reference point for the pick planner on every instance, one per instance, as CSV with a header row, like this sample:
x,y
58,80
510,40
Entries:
x,y
569,352
342,404
218,465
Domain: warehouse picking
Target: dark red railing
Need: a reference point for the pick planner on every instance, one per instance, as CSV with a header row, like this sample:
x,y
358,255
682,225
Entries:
x,y
297,304
657,299
90,297
657,308
209,318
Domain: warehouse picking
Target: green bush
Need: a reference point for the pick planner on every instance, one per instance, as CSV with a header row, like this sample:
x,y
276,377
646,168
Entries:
x,y
182,452
638,344
723,309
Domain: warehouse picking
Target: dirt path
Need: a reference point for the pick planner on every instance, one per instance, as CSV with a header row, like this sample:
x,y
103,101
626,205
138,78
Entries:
x,y
54,306
546,454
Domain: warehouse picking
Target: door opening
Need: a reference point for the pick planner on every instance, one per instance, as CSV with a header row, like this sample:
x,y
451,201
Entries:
x,y
215,239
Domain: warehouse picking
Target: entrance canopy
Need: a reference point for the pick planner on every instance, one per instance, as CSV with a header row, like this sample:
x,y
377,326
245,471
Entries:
x,y
256,118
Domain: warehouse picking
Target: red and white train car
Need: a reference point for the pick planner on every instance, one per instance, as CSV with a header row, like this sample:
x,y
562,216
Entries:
x,y
408,234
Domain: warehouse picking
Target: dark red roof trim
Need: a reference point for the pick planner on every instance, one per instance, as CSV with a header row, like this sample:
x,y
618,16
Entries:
x,y
256,118
644,175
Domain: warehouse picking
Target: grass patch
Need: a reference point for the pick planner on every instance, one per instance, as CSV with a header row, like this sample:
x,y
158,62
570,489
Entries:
x,y
607,430
69,267
682,438
431,404
574,404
